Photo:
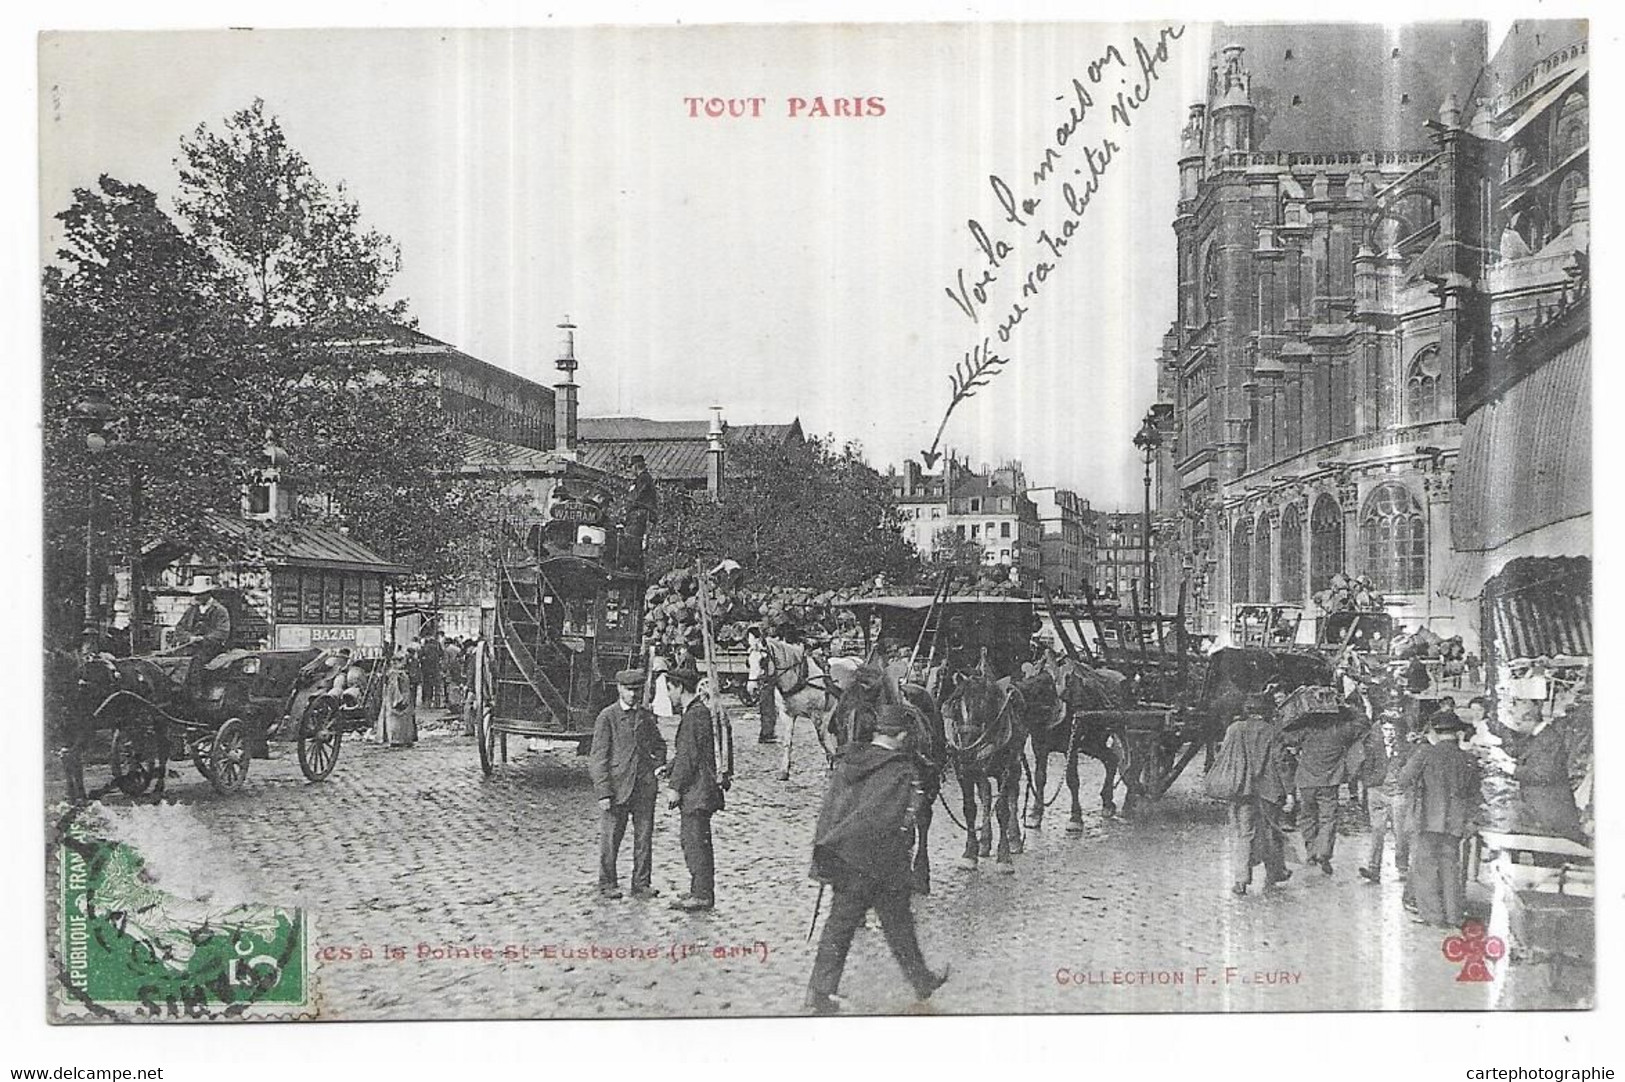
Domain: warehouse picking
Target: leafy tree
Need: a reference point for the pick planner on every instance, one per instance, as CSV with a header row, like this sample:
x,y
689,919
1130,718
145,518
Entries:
x,y
808,514
950,549
134,309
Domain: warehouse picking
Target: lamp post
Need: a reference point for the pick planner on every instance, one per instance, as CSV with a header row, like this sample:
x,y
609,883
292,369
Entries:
x,y
1148,439
93,411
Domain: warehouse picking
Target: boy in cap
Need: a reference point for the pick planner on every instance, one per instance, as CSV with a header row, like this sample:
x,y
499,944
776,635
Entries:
x,y
627,749
693,780
1255,811
861,848
1443,785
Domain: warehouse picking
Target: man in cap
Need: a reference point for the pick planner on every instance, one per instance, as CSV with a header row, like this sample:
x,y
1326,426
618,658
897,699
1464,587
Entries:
x,y
642,512
1443,784
862,849
1255,811
693,780
1386,753
627,749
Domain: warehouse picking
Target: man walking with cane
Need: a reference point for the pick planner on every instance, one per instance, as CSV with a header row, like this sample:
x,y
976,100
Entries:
x,y
862,850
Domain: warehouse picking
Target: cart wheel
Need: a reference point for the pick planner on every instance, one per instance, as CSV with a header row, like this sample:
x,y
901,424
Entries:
x,y
485,735
200,757
319,740
228,757
135,762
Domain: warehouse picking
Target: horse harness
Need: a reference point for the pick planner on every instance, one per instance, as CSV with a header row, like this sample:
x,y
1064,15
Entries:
x,y
978,748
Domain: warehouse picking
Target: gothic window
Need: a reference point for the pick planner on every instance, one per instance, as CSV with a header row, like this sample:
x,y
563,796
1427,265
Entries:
x,y
1261,559
1325,543
1210,283
1291,554
1241,549
1422,385
1569,132
1563,208
1394,535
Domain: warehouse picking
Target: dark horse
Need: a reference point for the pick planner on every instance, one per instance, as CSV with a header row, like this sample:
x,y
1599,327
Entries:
x,y
983,722
1056,697
128,696
853,720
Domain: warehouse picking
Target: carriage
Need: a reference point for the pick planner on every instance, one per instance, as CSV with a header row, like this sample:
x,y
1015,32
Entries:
x,y
143,712
568,615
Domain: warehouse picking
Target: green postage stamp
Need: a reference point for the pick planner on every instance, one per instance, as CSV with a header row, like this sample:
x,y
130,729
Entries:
x,y
128,948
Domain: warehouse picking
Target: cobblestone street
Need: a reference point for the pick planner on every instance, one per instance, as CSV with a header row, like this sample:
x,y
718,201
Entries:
x,y
414,850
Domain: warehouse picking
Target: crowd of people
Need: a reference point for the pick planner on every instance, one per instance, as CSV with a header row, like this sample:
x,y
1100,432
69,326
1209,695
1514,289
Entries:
x,y
1423,764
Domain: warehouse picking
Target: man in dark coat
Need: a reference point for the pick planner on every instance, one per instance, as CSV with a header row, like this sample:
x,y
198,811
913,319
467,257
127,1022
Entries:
x,y
693,780
1255,811
642,512
202,633
1321,770
1443,785
1386,752
1540,764
862,849
627,750
433,655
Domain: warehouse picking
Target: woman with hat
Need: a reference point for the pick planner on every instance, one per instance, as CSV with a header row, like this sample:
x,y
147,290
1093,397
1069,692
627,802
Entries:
x,y
1442,782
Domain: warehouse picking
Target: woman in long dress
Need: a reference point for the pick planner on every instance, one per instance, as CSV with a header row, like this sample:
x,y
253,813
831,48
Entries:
x,y
397,720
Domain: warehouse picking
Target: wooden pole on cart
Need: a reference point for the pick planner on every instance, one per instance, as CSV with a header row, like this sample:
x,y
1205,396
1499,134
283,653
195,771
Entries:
x,y
1055,618
1094,618
1139,630
940,592
722,744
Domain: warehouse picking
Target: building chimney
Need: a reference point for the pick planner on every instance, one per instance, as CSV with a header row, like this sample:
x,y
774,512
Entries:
x,y
714,455
565,404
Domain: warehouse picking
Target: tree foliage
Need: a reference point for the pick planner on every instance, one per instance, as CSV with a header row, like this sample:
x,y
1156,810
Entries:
x,y
809,513
261,310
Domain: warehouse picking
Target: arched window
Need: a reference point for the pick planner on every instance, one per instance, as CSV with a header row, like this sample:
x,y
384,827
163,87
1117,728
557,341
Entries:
x,y
1325,543
1563,207
1569,130
1422,385
1261,559
1395,539
1291,554
1241,549
1209,299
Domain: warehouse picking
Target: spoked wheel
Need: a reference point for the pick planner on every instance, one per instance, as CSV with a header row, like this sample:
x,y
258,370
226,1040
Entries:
x,y
135,760
228,757
200,756
319,739
482,706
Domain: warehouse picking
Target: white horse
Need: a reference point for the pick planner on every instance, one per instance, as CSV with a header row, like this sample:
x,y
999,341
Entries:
x,y
806,689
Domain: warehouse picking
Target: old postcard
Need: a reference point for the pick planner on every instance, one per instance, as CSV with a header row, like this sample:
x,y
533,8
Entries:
x,y
750,520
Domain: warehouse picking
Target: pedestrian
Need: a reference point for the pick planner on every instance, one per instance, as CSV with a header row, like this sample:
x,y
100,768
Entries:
x,y
412,661
1386,752
1539,762
1255,806
397,724
693,781
862,849
1322,768
1442,783
627,752
433,657
767,707
451,663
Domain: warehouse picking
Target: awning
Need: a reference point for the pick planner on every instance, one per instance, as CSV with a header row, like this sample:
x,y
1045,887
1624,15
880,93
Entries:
x,y
1525,459
1469,571
1541,607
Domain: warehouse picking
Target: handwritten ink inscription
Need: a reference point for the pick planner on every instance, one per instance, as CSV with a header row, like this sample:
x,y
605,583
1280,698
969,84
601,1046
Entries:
x,y
998,288
818,105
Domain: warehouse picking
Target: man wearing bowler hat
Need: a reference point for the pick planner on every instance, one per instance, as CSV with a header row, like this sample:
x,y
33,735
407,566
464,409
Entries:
x,y
627,750
1442,783
693,780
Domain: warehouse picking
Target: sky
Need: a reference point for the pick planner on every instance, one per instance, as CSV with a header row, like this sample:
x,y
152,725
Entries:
x,y
779,266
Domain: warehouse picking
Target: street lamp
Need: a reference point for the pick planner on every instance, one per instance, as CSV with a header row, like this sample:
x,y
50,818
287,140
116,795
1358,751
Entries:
x,y
1148,439
92,411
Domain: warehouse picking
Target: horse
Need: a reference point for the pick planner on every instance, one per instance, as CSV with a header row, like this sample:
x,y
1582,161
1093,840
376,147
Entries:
x,y
1057,695
129,696
985,733
852,721
808,689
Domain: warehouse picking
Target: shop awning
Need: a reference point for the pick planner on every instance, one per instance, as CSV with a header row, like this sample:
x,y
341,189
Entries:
x,y
1526,458
1541,607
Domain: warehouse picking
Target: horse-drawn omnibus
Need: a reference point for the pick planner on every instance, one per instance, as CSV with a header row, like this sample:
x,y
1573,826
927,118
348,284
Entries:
x,y
568,615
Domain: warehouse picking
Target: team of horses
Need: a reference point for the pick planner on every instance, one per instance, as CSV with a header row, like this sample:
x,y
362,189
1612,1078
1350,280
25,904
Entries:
x,y
969,722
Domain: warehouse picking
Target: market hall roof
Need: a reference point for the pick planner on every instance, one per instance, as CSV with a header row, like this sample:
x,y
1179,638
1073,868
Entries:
x,y
298,545
673,450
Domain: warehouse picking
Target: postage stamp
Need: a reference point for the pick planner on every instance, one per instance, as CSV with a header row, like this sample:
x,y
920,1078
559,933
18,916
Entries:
x,y
130,947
